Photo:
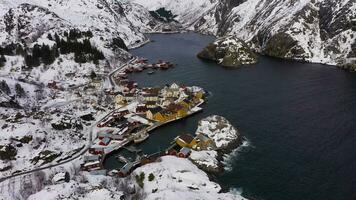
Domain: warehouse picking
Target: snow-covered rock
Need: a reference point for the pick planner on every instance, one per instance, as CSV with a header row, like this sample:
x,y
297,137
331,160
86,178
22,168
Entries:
x,y
206,160
229,51
178,178
311,30
220,131
308,30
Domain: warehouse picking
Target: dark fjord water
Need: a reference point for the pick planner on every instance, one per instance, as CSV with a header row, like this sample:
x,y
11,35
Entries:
x,y
300,120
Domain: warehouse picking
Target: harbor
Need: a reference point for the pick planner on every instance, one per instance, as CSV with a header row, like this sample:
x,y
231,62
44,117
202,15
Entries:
x,y
138,111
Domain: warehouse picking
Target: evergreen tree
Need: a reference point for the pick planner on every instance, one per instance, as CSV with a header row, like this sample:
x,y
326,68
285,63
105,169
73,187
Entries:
x,y
66,177
93,75
4,87
20,92
66,34
47,54
57,39
49,36
79,57
20,50
2,60
36,51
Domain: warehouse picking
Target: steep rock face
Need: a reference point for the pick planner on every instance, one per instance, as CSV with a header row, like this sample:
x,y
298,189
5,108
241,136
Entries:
x,y
26,23
311,30
187,12
229,51
106,18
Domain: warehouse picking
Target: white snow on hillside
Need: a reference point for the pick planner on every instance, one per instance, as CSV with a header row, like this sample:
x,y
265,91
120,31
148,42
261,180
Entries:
x,y
187,11
205,158
176,179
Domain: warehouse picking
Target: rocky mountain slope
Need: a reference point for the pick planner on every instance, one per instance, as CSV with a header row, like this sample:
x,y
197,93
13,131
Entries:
x,y
307,30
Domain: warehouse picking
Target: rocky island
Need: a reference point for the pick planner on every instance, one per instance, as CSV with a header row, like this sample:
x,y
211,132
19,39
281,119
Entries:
x,y
229,52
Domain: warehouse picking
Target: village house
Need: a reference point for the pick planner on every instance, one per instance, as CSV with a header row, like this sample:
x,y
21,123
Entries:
x,y
91,158
204,142
198,96
141,109
178,110
119,100
184,152
102,135
126,169
151,104
105,141
130,97
96,150
90,166
185,103
167,101
171,91
153,113
150,97
186,140
96,82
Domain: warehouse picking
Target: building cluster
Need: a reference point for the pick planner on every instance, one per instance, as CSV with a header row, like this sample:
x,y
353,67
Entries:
x,y
163,104
138,111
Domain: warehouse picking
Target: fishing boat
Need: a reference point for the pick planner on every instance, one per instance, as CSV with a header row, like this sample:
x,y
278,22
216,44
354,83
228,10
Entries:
x,y
141,137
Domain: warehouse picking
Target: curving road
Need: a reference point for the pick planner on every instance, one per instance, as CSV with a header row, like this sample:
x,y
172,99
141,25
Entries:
x,y
85,149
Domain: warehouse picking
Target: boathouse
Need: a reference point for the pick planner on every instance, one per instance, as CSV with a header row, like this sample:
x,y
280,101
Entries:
x,y
186,140
105,141
204,142
184,152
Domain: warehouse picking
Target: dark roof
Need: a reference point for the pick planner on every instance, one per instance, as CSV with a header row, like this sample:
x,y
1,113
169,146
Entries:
x,y
151,102
203,137
152,91
155,110
187,138
174,107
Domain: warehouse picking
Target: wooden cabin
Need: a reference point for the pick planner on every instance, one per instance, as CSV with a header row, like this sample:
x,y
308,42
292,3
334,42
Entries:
x,y
186,140
204,142
184,152
105,141
96,150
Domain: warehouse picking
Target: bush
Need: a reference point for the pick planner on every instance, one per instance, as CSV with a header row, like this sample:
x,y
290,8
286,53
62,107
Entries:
x,y
140,178
20,92
151,177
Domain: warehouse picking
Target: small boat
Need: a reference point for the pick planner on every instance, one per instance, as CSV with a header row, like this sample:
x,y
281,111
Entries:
x,y
151,72
141,138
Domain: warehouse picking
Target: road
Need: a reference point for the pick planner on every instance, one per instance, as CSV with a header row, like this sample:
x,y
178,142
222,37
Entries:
x,y
111,74
83,151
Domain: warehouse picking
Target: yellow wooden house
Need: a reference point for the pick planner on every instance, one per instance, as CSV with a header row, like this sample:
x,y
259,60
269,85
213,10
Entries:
x,y
204,142
186,140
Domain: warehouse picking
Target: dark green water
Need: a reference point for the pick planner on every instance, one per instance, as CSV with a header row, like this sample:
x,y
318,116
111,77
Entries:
x,y
300,120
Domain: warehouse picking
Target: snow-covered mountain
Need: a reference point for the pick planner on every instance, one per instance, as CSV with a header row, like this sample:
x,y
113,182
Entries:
x,y
309,30
107,19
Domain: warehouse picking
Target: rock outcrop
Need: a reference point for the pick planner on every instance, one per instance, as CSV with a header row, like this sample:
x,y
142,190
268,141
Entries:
x,y
226,138
229,51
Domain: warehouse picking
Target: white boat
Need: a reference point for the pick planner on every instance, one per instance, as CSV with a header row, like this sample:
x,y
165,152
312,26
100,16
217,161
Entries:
x,y
140,138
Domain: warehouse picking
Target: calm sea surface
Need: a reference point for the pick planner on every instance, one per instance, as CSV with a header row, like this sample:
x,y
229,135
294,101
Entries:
x,y
299,119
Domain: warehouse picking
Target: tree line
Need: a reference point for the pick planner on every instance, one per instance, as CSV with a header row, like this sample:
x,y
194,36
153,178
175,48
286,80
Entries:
x,y
74,41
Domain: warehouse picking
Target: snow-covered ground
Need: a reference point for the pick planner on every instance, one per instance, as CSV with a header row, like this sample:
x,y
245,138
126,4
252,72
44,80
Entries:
x,y
205,159
178,178
219,130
